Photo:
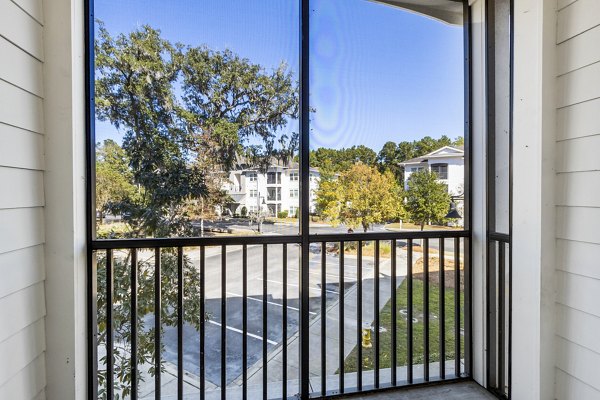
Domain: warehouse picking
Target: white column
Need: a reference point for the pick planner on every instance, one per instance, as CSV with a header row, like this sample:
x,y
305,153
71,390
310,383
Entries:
x,y
65,199
533,204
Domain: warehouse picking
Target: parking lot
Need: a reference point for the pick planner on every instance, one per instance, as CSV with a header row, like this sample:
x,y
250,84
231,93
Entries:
x,y
233,321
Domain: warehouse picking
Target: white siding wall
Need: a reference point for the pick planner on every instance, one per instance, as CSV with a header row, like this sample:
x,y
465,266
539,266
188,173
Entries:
x,y
578,200
22,273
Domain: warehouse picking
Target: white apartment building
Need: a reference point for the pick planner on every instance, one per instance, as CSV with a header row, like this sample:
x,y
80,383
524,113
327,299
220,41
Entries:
x,y
449,164
273,191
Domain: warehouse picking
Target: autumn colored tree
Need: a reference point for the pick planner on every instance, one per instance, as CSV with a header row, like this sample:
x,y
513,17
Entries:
x,y
361,196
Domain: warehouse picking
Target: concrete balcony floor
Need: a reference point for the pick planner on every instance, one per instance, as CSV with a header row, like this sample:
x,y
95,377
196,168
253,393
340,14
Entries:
x,y
448,391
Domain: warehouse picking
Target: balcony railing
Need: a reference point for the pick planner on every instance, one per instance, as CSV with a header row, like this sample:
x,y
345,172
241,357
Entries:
x,y
499,311
222,316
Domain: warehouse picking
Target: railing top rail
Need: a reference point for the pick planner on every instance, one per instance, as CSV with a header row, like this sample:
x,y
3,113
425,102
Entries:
x,y
103,244
138,243
353,237
499,237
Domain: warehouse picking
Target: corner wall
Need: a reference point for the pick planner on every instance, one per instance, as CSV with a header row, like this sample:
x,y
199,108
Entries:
x,y
22,270
578,200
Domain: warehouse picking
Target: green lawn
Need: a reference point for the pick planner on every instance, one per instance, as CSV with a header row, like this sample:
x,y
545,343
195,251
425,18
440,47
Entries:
x,y
418,329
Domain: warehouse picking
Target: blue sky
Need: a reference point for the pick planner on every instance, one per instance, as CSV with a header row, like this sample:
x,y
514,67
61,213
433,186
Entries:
x,y
377,73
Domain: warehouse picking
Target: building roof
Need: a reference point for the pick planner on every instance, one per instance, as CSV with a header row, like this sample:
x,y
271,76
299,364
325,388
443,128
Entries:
x,y
449,11
444,152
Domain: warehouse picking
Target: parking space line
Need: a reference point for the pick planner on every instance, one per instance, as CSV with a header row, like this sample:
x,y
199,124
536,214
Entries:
x,y
335,264
293,284
326,273
231,328
269,302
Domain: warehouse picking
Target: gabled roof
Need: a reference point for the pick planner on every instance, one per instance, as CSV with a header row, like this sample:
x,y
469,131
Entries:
x,y
444,152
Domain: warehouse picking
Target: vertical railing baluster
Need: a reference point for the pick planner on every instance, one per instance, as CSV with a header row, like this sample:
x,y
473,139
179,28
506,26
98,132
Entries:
x,y
110,360
284,318
265,326
223,322
341,319
501,316
134,338
323,319
502,343
359,323
394,313
509,328
457,307
157,323
409,311
376,310
426,308
202,321
442,313
245,322
180,323
92,323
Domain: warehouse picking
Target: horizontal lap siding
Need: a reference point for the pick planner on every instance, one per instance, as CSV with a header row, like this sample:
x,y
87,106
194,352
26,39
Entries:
x,y
21,148
569,387
578,201
22,295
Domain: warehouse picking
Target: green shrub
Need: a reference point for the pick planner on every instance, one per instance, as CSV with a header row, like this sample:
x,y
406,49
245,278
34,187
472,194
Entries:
x,y
282,214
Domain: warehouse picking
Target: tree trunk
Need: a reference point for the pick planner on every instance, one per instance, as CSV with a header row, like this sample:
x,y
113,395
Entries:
x,y
422,226
201,227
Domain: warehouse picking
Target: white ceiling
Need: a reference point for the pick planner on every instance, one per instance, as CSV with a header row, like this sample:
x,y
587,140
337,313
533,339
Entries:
x,y
449,11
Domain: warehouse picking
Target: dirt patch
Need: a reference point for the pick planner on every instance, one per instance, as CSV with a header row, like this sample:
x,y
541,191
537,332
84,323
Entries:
x,y
434,271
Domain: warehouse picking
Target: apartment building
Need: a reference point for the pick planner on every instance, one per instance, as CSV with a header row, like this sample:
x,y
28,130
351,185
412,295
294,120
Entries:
x,y
271,192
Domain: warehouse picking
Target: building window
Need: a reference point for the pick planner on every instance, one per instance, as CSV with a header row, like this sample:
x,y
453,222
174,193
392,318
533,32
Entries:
x,y
441,170
416,169
293,211
253,193
273,178
252,177
294,193
294,177
274,194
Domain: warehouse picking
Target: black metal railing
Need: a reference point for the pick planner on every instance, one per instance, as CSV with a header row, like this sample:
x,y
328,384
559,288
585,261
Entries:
x,y
222,316
499,314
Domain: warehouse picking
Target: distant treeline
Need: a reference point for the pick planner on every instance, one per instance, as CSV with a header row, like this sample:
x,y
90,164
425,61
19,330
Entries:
x,y
332,161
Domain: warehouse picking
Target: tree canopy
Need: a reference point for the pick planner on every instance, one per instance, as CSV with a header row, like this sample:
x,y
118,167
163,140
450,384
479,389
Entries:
x,y
360,196
185,112
426,198
340,160
114,181
387,159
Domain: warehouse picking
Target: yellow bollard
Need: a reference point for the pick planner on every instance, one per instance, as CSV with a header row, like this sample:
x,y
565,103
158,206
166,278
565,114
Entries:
x,y
366,336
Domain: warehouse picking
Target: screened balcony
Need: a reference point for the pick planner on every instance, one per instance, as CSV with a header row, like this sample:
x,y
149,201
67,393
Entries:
x,y
490,298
